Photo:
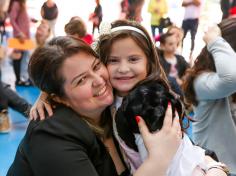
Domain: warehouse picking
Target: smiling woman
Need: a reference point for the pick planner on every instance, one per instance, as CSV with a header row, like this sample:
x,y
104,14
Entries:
x,y
88,91
80,90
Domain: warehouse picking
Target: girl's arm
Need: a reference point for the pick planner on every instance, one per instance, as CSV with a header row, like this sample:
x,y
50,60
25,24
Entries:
x,y
41,104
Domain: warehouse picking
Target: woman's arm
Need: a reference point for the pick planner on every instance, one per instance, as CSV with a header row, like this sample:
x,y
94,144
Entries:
x,y
222,83
214,169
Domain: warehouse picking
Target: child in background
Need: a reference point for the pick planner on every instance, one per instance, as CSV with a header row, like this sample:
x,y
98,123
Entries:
x,y
173,64
96,16
131,57
179,33
76,27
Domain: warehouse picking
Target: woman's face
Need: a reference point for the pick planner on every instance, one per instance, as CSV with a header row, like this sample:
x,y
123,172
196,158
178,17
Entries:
x,y
127,65
87,87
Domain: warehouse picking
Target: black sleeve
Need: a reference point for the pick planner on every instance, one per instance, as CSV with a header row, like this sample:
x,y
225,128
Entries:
x,y
51,155
175,86
61,145
182,66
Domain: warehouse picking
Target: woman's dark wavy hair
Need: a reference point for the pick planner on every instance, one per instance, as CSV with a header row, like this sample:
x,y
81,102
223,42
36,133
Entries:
x,y
46,63
154,70
205,63
45,72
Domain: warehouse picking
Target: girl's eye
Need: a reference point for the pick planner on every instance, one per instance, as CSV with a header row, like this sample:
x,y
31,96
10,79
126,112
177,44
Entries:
x,y
97,66
133,59
112,61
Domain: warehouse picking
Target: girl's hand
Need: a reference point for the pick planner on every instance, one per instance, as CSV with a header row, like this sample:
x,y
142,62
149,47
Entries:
x,y
40,106
211,34
162,145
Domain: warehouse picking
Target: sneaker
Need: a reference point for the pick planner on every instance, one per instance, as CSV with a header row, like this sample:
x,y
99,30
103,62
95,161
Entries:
x,y
4,122
23,83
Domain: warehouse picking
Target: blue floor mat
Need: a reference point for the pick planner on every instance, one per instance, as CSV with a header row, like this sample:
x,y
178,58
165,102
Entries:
x,y
9,142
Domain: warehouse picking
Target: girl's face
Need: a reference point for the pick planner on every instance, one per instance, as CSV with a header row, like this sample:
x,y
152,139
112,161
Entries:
x,y
87,87
170,45
127,65
177,33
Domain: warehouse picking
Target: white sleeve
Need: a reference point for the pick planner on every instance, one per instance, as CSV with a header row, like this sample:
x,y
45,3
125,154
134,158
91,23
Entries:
x,y
141,147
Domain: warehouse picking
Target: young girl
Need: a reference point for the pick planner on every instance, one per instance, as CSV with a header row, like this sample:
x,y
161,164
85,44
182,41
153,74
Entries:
x,y
174,64
131,57
76,27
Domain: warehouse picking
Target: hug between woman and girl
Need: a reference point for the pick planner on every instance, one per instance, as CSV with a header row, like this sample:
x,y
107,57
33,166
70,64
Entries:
x,y
82,136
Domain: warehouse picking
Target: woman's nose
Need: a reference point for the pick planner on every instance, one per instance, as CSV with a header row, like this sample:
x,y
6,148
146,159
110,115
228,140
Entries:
x,y
97,80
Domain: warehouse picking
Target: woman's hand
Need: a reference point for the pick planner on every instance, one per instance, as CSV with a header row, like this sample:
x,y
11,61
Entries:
x,y
215,171
21,37
40,106
211,34
161,145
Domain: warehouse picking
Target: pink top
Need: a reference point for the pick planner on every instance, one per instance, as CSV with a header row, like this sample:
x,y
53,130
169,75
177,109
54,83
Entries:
x,y
19,20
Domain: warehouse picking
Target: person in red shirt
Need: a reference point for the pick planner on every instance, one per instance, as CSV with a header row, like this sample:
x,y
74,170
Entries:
x,y
77,28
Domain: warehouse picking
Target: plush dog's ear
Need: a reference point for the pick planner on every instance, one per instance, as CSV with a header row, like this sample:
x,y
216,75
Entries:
x,y
124,130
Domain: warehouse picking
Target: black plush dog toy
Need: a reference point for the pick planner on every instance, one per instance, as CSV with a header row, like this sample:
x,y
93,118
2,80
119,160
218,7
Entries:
x,y
148,100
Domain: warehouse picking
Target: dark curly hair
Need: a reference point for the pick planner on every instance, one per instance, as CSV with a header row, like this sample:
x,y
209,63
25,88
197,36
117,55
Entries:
x,y
148,100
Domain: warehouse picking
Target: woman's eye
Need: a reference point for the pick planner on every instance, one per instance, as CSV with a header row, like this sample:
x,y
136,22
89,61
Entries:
x,y
97,66
81,80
